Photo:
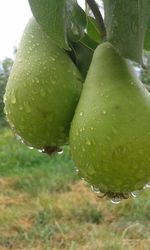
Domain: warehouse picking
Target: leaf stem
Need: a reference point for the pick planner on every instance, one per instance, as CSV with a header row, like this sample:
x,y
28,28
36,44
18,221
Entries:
x,y
98,16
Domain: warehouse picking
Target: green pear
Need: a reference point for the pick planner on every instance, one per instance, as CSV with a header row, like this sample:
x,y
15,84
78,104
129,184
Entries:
x,y
42,91
110,131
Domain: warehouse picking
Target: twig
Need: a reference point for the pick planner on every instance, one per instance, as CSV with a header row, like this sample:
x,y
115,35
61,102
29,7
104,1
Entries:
x,y
98,16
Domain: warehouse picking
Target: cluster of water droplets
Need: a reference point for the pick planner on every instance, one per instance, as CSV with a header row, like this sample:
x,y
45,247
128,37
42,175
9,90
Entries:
x,y
18,137
134,194
60,151
117,198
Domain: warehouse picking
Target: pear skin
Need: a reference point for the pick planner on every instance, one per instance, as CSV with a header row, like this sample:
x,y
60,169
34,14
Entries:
x,y
110,131
42,91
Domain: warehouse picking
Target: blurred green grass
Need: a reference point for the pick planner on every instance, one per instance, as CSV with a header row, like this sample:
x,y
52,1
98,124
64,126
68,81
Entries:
x,y
35,170
44,205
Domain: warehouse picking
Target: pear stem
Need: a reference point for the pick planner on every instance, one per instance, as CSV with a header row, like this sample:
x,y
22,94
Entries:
x,y
98,16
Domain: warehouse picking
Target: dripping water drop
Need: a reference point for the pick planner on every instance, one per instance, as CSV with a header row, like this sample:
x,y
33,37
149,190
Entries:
x,y
148,185
135,193
60,151
41,150
76,169
18,137
115,200
95,190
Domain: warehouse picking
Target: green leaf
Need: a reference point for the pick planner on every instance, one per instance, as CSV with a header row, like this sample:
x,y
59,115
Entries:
x,y
147,36
82,53
50,14
88,42
93,30
77,23
82,57
58,18
126,24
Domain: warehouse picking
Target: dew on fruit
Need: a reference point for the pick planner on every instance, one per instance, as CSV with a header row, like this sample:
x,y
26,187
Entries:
x,y
30,147
18,137
76,169
41,150
132,83
22,141
60,151
88,142
147,185
77,133
52,58
4,98
37,81
135,193
13,98
12,126
27,107
81,114
32,98
120,151
95,190
115,200
104,112
74,73
6,115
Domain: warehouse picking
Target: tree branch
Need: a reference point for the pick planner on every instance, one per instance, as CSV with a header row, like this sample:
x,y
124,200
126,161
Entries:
x,y
99,19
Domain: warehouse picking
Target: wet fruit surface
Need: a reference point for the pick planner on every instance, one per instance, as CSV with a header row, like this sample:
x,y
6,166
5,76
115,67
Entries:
x,y
42,91
110,133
